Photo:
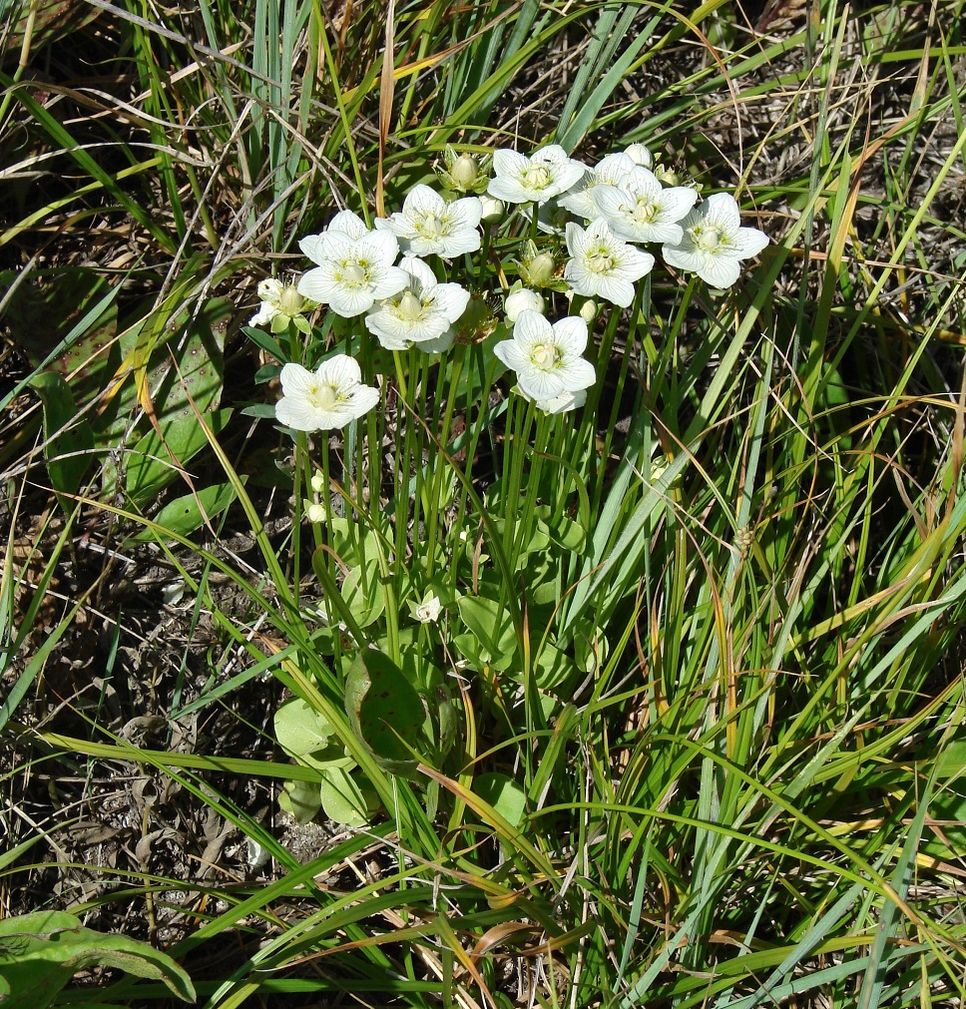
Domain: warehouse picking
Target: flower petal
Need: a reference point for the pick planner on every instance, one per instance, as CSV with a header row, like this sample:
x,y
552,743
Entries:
x,y
576,375
530,329
749,242
720,271
295,379
340,370
570,335
507,162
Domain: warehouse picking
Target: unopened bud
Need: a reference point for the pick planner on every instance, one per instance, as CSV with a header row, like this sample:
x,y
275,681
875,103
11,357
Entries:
x,y
464,172
522,300
493,209
640,155
315,513
538,270
588,311
317,482
290,302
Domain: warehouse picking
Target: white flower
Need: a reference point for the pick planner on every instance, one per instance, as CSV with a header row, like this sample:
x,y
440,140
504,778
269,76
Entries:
x,y
324,399
355,266
421,314
428,611
428,224
278,302
269,293
563,403
714,243
609,171
519,179
547,357
639,208
640,155
522,300
602,265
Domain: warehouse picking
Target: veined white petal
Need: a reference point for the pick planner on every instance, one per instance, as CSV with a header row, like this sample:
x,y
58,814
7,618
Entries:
x,y
362,400
576,375
615,289
381,246
511,354
576,239
683,257
635,263
318,284
570,335
722,210
531,328
451,300
297,414
748,242
340,370
720,271
311,248
349,224
387,282
676,202
563,403
439,345
423,200
420,270
507,162
466,212
350,303
459,243
508,190
538,384
295,379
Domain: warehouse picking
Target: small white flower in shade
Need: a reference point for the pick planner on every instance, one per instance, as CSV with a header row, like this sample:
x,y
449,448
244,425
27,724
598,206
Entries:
x,y
324,399
546,358
522,300
714,243
354,270
563,403
269,294
421,314
609,171
642,210
428,611
427,224
603,265
314,512
519,179
640,155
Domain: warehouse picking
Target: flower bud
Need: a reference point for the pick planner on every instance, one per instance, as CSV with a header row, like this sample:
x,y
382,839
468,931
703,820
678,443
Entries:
x,y
640,155
317,483
290,302
464,172
588,311
315,513
522,300
667,175
493,209
538,270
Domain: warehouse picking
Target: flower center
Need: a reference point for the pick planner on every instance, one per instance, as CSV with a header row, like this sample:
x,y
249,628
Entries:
x,y
709,238
431,225
646,210
600,259
545,356
536,177
409,308
323,396
353,275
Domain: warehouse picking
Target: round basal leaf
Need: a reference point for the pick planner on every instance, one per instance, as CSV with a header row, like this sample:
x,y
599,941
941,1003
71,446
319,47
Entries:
x,y
491,625
364,594
342,799
503,794
384,709
552,667
301,799
300,729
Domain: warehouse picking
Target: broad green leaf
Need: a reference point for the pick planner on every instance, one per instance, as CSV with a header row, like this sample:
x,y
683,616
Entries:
x,y
364,594
492,626
300,729
40,953
184,514
384,709
301,799
69,442
504,794
150,467
342,799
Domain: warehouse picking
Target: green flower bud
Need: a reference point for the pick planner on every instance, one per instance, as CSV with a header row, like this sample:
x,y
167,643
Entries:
x,y
537,269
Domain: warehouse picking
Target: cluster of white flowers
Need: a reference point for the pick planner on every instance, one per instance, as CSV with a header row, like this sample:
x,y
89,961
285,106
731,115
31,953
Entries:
x,y
622,202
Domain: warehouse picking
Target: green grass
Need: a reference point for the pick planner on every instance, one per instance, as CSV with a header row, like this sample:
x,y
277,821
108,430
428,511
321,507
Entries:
x,y
714,655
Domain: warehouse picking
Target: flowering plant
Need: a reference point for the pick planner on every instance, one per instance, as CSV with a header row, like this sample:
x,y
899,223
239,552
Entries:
x,y
456,281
